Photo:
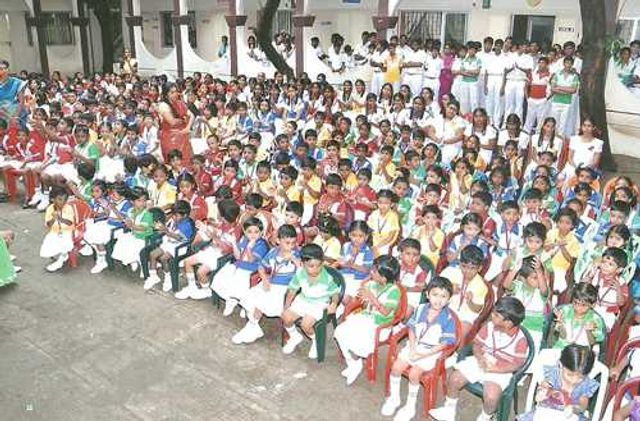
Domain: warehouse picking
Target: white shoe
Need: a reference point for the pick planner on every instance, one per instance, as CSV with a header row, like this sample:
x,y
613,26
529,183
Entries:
x,y
443,413
406,413
344,372
186,292
243,314
390,406
134,266
250,333
12,257
86,250
151,281
201,293
17,269
292,343
313,351
55,266
229,306
354,371
167,284
483,417
101,265
37,198
43,205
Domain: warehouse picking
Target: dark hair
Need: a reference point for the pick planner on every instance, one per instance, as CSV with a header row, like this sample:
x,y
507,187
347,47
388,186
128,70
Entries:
x,y
359,226
58,191
253,222
388,267
577,358
139,193
410,243
511,309
365,172
620,230
311,252
432,209
181,207
228,210
287,231
535,229
569,213
295,207
173,154
484,196
330,225
86,171
618,255
223,192
254,200
508,204
441,283
471,218
586,292
388,194
532,194
472,255
333,180
621,206
309,163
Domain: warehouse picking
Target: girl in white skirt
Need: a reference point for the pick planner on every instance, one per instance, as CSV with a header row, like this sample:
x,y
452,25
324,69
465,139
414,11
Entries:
x,y
223,235
431,329
380,298
59,220
232,282
356,259
97,229
267,298
140,223
179,230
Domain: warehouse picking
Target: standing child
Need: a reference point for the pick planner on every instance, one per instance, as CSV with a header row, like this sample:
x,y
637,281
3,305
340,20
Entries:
x,y
59,221
140,223
566,387
276,270
356,259
431,328
380,297
98,231
179,230
384,223
232,282
311,291
499,350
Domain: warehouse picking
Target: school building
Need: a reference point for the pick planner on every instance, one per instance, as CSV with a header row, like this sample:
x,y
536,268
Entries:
x,y
181,36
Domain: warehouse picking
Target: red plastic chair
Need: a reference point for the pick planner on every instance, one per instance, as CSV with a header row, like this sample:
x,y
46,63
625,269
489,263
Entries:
x,y
614,384
619,332
631,385
81,212
371,362
430,380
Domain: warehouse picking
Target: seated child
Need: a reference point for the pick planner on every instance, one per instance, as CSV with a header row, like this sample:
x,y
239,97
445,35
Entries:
x,y
618,236
311,291
566,387
232,282
363,198
532,209
578,322
310,186
469,288
562,246
412,275
613,293
507,238
286,193
223,234
471,228
327,239
531,288
380,297
59,222
431,330
188,191
180,229
267,298
384,223
499,349
356,259
161,193
139,222
429,234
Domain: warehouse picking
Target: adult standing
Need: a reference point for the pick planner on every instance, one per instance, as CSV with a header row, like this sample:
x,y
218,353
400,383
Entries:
x,y
129,64
7,270
175,125
11,95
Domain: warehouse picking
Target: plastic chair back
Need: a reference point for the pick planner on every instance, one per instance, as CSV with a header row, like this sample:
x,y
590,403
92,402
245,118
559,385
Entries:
x,y
338,279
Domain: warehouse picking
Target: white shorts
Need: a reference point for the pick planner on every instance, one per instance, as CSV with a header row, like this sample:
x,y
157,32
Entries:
x,y
471,371
352,285
270,303
97,232
357,334
169,246
426,363
127,249
231,282
54,245
11,163
67,171
208,257
302,308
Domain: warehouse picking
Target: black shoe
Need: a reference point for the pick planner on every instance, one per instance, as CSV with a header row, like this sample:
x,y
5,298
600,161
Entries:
x,y
4,197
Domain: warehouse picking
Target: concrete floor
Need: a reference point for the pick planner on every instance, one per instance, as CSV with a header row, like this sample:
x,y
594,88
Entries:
x,y
76,347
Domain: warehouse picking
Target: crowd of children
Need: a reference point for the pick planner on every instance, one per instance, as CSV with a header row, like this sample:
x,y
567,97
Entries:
x,y
458,228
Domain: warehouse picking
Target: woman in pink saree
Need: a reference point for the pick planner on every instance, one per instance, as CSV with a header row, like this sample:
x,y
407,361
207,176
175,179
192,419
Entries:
x,y
446,77
175,124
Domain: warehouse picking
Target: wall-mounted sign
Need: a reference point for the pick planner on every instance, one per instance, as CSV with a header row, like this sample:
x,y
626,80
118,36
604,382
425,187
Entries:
x,y
566,29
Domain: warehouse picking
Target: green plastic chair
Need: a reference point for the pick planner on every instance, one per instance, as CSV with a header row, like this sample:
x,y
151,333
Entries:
x,y
510,393
320,328
222,261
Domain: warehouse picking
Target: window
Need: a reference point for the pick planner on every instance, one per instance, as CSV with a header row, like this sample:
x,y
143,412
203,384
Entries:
x,y
58,29
167,29
534,28
443,26
29,29
627,29
283,21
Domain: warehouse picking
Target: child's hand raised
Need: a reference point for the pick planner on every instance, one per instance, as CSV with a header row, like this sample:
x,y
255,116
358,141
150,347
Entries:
x,y
558,314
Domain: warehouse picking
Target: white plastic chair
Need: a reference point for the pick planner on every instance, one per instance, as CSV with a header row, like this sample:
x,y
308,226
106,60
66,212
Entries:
x,y
549,357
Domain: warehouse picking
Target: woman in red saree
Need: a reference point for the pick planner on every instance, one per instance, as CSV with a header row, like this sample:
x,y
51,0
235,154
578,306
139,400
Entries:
x,y
175,124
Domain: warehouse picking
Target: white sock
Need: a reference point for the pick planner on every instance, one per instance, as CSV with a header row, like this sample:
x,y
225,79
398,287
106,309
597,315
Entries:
x,y
394,387
191,277
153,273
485,415
292,331
412,396
450,402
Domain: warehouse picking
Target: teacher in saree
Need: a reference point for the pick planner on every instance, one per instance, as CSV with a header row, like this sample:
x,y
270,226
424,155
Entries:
x,y
175,124
11,96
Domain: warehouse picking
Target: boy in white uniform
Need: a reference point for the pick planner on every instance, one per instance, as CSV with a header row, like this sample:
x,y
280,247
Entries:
x,y
433,67
517,74
412,63
495,65
471,66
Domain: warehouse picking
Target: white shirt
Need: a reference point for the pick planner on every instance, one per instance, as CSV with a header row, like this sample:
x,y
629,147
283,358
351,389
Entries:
x,y
495,65
378,57
433,67
336,59
523,61
583,152
414,57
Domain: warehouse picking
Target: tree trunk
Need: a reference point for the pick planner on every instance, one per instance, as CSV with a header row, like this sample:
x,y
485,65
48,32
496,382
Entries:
x,y
598,25
107,33
263,35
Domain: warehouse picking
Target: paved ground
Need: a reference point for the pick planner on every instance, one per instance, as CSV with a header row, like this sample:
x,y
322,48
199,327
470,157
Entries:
x,y
90,348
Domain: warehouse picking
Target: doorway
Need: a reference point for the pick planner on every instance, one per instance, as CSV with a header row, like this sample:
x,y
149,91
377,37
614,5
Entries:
x,y
533,28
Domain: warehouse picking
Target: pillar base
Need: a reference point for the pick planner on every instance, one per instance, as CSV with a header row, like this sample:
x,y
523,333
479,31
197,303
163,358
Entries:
x,y
235,20
382,23
133,20
303,21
